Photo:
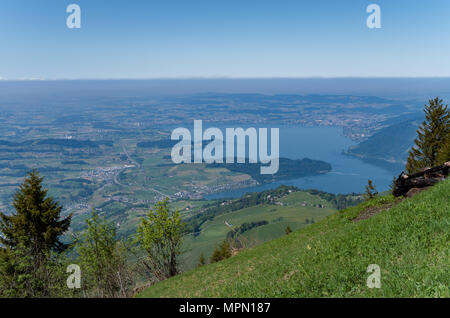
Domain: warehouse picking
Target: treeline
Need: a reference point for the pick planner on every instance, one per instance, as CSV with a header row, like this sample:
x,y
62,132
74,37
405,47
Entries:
x,y
339,201
224,206
70,143
163,143
244,227
74,162
52,142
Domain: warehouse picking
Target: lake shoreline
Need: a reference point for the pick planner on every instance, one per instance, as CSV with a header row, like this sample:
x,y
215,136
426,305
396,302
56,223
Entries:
x,y
349,174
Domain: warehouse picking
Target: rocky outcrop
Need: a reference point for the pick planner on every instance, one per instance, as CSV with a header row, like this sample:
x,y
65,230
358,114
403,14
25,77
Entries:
x,y
411,184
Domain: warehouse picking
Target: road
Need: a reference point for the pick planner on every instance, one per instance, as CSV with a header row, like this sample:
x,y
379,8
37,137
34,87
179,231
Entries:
x,y
139,167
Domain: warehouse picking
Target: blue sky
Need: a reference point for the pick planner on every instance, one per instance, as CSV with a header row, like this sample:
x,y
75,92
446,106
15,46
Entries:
x,y
223,38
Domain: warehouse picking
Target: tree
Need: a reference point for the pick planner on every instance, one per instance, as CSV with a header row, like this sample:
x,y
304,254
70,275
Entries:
x,y
201,260
371,190
432,137
444,152
103,260
160,235
37,222
393,186
288,230
20,278
222,252
31,241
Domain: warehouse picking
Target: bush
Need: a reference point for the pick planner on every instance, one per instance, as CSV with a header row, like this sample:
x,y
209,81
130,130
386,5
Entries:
x,y
222,252
288,230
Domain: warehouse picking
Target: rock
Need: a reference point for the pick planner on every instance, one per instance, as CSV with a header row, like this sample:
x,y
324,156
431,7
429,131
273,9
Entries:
x,y
414,191
423,179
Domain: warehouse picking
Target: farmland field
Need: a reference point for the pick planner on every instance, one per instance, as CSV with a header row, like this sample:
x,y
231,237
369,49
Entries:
x,y
299,209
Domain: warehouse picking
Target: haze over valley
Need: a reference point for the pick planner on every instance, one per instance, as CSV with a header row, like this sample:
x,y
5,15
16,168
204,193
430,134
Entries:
x,y
110,150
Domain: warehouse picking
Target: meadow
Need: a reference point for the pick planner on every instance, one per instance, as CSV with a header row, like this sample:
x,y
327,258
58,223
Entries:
x,y
299,210
408,241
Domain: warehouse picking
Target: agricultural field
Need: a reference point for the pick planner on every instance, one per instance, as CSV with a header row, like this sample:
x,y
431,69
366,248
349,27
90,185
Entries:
x,y
296,210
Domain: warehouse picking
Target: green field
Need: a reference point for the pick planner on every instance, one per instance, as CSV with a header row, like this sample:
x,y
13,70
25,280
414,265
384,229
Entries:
x,y
409,242
278,217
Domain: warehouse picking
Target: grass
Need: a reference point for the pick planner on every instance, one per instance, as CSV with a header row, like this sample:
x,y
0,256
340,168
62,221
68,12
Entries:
x,y
410,243
278,217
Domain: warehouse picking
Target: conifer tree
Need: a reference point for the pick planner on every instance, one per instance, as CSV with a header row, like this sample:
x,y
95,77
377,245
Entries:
x,y
37,222
444,152
30,262
288,230
432,138
371,190
201,260
222,252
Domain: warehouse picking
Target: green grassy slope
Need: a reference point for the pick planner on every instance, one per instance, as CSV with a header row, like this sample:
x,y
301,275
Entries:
x,y
410,243
278,217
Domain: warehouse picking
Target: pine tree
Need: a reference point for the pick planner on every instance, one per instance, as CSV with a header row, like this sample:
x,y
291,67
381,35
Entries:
x,y
37,223
222,252
287,230
30,256
201,260
444,152
371,190
432,137
393,186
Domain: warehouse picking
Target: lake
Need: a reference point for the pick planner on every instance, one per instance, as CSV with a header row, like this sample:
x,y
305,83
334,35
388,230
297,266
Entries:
x,y
348,174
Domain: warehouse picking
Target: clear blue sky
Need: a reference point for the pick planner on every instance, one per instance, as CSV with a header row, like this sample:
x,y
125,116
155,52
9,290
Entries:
x,y
223,38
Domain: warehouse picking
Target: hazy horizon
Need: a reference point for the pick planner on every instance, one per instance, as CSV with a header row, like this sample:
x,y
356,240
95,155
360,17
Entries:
x,y
56,90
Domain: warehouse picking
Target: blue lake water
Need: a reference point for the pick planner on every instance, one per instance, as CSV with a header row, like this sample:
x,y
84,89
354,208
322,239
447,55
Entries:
x,y
322,143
